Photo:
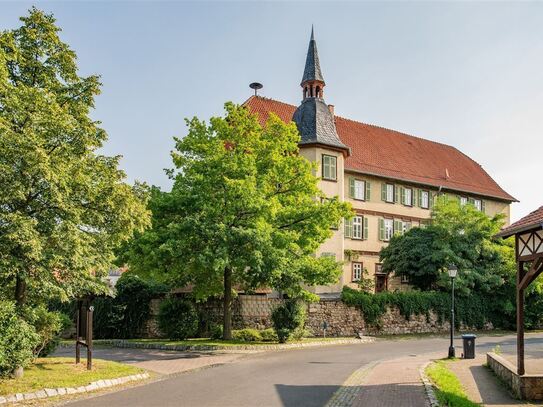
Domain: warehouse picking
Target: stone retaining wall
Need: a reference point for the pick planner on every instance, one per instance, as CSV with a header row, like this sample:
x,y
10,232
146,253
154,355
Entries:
x,y
254,311
526,387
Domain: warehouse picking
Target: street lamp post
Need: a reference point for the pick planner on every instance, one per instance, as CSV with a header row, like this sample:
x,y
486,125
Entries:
x,y
452,274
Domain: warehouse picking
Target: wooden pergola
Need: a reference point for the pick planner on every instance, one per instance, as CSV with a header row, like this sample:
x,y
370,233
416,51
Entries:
x,y
528,234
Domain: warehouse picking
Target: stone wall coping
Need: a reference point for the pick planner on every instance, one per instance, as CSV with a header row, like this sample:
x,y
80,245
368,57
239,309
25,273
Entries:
x,y
60,391
504,362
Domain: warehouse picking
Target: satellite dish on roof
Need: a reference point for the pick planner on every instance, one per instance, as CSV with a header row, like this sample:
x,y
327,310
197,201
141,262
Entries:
x,y
256,86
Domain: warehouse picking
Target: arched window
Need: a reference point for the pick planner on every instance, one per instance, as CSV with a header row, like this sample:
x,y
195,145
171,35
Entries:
x,y
318,93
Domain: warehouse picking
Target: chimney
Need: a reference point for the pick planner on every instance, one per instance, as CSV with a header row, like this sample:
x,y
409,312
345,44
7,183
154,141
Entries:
x,y
331,108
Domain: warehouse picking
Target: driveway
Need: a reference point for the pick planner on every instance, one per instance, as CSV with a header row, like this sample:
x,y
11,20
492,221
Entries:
x,y
159,361
305,377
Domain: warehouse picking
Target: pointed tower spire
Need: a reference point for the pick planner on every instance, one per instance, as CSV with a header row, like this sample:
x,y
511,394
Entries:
x,y
313,117
312,71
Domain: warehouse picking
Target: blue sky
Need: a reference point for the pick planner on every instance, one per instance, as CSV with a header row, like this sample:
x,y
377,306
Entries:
x,y
466,74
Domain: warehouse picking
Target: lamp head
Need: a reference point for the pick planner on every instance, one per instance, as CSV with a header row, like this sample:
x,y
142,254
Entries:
x,y
453,270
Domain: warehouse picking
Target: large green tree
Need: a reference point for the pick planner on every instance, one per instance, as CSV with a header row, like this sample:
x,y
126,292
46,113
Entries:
x,y
245,211
64,207
461,235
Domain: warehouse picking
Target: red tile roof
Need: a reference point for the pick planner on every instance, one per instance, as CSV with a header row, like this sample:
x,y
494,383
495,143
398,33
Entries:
x,y
531,221
391,154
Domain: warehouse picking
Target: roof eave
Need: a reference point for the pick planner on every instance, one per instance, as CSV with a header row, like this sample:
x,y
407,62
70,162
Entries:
x,y
507,232
376,174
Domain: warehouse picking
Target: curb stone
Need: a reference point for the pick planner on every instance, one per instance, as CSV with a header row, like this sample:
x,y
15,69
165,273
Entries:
x,y
430,394
45,393
142,345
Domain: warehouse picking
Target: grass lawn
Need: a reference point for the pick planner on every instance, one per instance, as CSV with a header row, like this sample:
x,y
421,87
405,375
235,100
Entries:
x,y
63,372
448,388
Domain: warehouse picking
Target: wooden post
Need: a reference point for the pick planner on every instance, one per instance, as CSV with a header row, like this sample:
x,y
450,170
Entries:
x,y
90,312
520,320
77,335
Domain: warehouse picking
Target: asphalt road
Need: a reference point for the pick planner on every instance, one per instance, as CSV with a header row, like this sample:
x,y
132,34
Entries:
x,y
301,378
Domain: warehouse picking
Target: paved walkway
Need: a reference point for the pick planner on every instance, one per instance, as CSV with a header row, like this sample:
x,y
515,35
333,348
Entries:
x,y
159,361
481,386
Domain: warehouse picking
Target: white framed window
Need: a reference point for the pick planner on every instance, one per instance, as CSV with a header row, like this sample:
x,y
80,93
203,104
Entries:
x,y
329,167
477,203
390,192
408,197
359,189
405,226
358,227
404,279
378,268
357,271
424,199
463,200
389,228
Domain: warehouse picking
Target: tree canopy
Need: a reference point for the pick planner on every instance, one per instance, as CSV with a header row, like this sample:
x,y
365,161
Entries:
x,y
64,207
460,235
244,212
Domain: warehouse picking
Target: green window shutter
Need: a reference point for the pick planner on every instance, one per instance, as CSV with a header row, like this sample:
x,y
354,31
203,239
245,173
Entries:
x,y
348,227
419,198
396,194
383,191
351,187
368,189
483,205
365,233
397,227
408,226
402,195
381,229
471,201
414,197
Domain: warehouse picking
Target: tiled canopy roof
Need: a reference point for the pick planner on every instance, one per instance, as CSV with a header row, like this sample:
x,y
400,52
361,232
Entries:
x,y
391,154
531,221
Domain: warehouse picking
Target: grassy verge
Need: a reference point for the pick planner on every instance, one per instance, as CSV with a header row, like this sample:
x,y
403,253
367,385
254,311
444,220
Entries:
x,y
63,372
220,342
448,388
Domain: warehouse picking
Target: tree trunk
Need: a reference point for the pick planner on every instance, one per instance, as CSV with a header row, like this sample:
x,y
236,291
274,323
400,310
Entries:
x,y
227,304
20,291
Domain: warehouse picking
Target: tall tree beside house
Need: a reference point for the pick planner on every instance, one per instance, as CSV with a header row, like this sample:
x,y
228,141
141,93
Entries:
x,y
64,208
457,234
244,212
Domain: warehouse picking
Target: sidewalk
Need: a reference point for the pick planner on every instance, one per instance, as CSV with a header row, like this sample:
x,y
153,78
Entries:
x,y
390,383
481,386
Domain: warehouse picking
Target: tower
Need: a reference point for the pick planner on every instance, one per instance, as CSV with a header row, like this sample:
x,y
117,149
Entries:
x,y
320,143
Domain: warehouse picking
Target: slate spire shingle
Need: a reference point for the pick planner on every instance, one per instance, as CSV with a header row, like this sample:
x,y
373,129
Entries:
x,y
313,117
312,71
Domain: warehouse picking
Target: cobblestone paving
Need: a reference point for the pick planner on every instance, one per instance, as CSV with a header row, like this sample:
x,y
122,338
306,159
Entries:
x,y
391,383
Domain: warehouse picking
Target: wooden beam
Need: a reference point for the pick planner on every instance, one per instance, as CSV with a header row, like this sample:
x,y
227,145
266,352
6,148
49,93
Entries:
x,y
531,275
520,320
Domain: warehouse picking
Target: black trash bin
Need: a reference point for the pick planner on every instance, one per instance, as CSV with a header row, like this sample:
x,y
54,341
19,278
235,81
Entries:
x,y
469,346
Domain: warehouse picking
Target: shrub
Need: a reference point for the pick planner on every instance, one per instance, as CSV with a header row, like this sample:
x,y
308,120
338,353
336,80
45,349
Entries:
x,y
177,319
247,334
287,318
48,326
216,331
125,315
17,339
269,335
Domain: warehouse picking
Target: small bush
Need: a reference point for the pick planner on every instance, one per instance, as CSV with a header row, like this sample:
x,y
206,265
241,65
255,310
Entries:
x,y
17,339
287,318
177,319
216,331
247,335
269,335
48,325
